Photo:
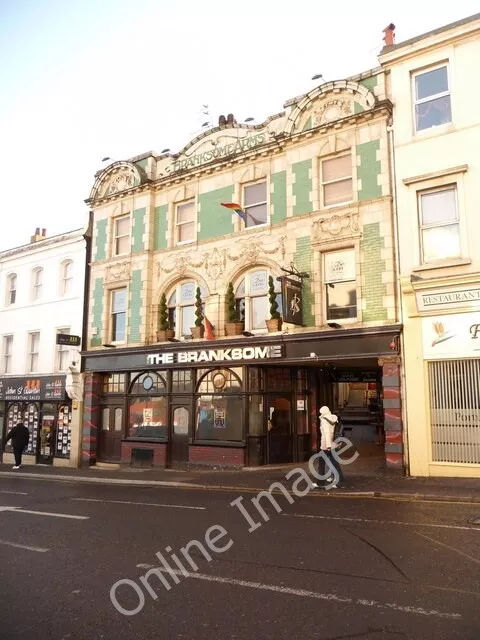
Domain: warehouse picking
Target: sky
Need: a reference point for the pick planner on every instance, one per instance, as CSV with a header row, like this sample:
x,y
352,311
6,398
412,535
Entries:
x,y
84,79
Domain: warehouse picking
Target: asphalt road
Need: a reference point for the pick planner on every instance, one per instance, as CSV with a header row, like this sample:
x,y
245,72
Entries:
x,y
323,568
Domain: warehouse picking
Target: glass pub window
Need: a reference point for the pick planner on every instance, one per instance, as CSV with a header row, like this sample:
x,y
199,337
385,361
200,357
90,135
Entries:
x,y
121,232
119,308
337,180
255,204
186,222
114,383
432,98
340,284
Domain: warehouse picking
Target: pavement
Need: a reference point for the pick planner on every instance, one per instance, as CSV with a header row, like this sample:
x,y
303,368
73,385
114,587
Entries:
x,y
99,561
361,480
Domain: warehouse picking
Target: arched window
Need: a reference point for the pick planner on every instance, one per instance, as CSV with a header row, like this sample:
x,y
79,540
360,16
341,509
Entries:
x,y
37,283
66,278
181,307
11,289
220,405
148,408
252,302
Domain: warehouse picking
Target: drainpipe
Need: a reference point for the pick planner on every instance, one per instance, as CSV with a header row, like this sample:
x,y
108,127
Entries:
x,y
398,293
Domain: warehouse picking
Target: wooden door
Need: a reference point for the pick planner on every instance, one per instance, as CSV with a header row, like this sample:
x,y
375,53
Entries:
x,y
110,433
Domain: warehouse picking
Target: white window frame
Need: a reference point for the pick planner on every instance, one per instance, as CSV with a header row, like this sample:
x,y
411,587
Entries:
x,y
63,352
7,340
249,296
179,305
116,237
327,282
33,354
422,192
11,278
255,204
112,313
178,225
343,179
37,284
66,289
434,96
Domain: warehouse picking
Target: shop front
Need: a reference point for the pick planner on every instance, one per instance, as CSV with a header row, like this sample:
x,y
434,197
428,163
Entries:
x,y
41,403
192,403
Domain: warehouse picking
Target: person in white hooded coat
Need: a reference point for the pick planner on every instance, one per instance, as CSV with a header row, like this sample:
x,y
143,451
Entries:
x,y
328,422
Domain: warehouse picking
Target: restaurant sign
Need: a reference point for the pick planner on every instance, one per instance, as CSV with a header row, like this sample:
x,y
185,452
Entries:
x,y
448,298
216,355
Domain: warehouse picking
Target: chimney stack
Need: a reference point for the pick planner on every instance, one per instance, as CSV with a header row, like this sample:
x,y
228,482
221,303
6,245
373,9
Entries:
x,y
389,37
39,235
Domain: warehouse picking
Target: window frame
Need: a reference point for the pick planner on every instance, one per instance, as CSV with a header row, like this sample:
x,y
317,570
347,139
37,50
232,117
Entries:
x,y
31,353
326,283
62,349
113,313
178,224
66,264
11,278
116,237
435,96
248,296
7,355
422,227
175,315
255,204
324,183
37,284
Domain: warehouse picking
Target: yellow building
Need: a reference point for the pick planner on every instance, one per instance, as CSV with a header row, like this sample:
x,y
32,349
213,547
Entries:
x,y
436,141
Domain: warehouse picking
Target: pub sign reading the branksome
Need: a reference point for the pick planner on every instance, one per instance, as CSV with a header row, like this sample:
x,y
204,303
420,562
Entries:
x,y
216,355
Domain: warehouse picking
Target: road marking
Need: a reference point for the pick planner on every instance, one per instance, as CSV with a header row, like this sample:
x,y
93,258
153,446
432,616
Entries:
x,y
143,504
14,493
366,521
449,547
331,597
44,513
23,546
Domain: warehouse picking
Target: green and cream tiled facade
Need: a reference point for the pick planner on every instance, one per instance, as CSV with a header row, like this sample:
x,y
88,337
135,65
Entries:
x,y
345,119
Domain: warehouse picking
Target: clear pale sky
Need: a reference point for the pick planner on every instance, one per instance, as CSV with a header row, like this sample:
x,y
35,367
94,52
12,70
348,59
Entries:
x,y
85,79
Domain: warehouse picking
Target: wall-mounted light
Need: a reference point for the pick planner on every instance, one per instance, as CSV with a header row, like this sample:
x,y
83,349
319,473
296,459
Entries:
x,y
173,340
394,344
334,325
110,346
248,334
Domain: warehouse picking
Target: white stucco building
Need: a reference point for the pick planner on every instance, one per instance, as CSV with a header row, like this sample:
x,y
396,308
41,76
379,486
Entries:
x,y
41,295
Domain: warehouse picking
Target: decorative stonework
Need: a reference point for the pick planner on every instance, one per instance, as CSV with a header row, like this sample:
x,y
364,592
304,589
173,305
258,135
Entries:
x,y
118,271
125,179
250,251
335,226
332,110
215,263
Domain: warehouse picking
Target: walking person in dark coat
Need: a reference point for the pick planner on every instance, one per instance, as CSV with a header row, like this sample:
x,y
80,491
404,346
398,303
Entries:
x,y
19,436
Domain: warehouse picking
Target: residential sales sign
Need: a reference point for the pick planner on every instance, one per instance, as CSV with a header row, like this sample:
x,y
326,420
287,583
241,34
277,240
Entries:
x,y
230,354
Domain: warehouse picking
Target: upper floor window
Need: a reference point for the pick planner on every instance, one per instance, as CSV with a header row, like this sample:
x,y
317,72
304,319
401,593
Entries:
x,y
7,349
121,235
33,351
432,98
181,308
251,297
439,224
11,289
37,283
118,315
185,222
255,204
63,352
66,278
340,278
337,183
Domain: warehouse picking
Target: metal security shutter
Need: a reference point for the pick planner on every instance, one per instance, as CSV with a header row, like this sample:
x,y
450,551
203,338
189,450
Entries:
x,y
455,410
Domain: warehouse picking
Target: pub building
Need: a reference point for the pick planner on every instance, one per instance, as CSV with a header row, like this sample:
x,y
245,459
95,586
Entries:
x,y
241,283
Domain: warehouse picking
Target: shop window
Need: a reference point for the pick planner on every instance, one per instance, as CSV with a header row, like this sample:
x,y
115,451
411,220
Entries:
x,y
181,308
185,222
255,204
7,350
278,379
148,417
251,299
121,235
11,297
219,380
64,432
113,383
182,381
340,285
118,315
106,419
63,352
337,183
149,383
255,415
255,379
432,100
66,278
439,224
219,417
37,283
33,351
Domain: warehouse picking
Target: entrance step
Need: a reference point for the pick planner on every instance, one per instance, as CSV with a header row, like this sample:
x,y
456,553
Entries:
x,y
109,466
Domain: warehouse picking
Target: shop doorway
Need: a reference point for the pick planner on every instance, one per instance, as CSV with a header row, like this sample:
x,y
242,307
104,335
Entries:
x,y
279,429
47,438
180,421
110,434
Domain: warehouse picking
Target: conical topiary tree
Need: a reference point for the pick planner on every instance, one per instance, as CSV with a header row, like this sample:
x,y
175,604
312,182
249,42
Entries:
x,y
198,308
272,298
163,323
231,306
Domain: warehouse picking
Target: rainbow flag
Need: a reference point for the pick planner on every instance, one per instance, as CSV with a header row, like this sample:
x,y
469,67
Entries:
x,y
237,208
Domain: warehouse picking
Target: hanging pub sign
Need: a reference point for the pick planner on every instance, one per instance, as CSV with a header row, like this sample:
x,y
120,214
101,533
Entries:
x,y
292,300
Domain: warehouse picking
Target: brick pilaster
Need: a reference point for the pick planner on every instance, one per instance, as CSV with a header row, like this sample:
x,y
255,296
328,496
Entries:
x,y
392,408
91,416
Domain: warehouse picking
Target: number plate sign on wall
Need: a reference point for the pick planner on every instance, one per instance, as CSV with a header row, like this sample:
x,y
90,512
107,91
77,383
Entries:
x,y
67,339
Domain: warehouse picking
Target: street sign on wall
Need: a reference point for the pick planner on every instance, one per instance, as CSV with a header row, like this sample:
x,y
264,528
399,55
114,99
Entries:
x,y
67,339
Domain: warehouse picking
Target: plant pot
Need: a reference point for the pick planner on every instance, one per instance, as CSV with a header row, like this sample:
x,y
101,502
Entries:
x,y
234,328
198,332
165,334
274,324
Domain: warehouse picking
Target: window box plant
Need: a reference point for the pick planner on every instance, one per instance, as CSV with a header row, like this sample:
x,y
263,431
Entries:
x,y
234,326
198,330
164,331
275,322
